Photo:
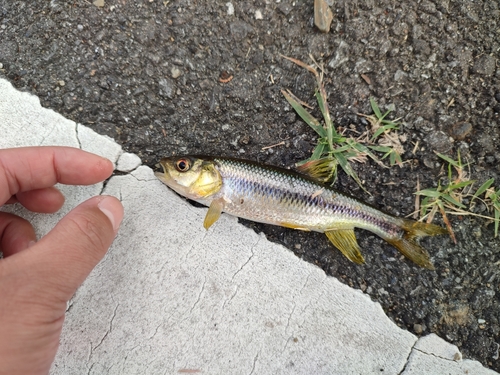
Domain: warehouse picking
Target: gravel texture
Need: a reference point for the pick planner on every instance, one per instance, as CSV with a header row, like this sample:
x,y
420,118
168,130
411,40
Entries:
x,y
156,77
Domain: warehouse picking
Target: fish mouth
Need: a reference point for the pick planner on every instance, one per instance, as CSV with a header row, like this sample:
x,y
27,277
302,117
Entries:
x,y
163,176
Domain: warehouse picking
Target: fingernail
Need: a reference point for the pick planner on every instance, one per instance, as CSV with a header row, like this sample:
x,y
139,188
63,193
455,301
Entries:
x,y
113,210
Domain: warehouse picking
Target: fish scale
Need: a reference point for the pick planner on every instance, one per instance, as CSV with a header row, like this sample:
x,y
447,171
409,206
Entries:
x,y
275,196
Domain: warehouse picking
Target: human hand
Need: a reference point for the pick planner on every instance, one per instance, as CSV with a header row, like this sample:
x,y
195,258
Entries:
x,y
38,278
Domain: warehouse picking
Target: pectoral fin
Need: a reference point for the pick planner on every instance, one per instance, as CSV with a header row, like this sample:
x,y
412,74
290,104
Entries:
x,y
345,241
213,213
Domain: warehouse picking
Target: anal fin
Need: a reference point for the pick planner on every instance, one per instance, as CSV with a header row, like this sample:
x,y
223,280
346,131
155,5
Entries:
x,y
345,241
214,212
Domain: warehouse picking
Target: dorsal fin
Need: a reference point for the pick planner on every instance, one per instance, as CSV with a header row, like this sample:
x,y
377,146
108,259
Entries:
x,y
322,169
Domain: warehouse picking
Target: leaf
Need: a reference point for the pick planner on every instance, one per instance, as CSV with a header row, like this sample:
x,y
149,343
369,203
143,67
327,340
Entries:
x,y
398,159
317,152
362,148
483,188
392,158
453,201
323,106
344,164
459,185
375,108
301,64
384,129
497,220
447,222
305,115
448,159
429,193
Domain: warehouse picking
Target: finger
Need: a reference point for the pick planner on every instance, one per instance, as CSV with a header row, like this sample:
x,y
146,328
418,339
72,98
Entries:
x,y
16,234
62,259
31,168
12,200
45,200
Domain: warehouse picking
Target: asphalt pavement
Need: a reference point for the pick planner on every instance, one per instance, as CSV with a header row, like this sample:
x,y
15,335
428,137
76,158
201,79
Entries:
x,y
172,298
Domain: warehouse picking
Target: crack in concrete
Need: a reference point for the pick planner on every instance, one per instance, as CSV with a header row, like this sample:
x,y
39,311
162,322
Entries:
x,y
77,136
248,260
254,363
45,136
437,356
290,317
199,296
238,271
408,357
140,179
156,331
109,330
228,300
193,245
90,368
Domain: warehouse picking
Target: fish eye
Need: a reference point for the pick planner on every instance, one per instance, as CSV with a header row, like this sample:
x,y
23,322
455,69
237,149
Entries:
x,y
183,165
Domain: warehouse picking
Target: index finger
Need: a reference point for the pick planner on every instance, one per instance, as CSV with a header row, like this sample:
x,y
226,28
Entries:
x,y
29,168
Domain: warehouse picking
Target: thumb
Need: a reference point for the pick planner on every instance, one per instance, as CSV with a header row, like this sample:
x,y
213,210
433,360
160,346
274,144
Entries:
x,y
36,283
67,254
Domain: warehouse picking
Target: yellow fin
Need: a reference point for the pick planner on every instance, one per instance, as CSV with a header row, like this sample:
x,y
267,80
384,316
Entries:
x,y
345,241
409,247
413,251
214,212
322,169
294,226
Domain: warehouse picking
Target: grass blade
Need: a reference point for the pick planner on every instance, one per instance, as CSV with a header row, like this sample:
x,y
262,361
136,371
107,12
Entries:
x,y
483,188
453,201
375,108
344,164
460,185
429,193
497,220
304,114
448,159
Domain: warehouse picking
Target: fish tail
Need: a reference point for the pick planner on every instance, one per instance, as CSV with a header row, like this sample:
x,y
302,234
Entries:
x,y
407,244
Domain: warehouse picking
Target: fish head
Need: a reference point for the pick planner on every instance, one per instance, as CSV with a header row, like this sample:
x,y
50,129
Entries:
x,y
191,177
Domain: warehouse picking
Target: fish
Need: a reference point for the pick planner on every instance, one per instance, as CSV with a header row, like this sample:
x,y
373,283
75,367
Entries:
x,y
277,196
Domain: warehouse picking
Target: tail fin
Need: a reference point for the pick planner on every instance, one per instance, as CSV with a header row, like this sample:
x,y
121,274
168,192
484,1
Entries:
x,y
409,247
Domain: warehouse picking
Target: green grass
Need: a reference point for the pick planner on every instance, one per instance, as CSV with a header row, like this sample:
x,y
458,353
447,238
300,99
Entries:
x,y
336,148
382,141
449,198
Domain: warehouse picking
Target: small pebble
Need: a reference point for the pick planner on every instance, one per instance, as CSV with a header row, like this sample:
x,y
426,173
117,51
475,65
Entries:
x,y
98,3
481,321
258,15
79,27
176,73
61,83
418,328
461,130
323,15
230,9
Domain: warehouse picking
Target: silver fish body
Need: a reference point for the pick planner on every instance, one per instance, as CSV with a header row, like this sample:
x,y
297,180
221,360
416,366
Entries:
x,y
282,197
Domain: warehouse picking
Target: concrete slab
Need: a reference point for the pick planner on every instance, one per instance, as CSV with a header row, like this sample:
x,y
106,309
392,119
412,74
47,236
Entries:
x,y
170,297
433,355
